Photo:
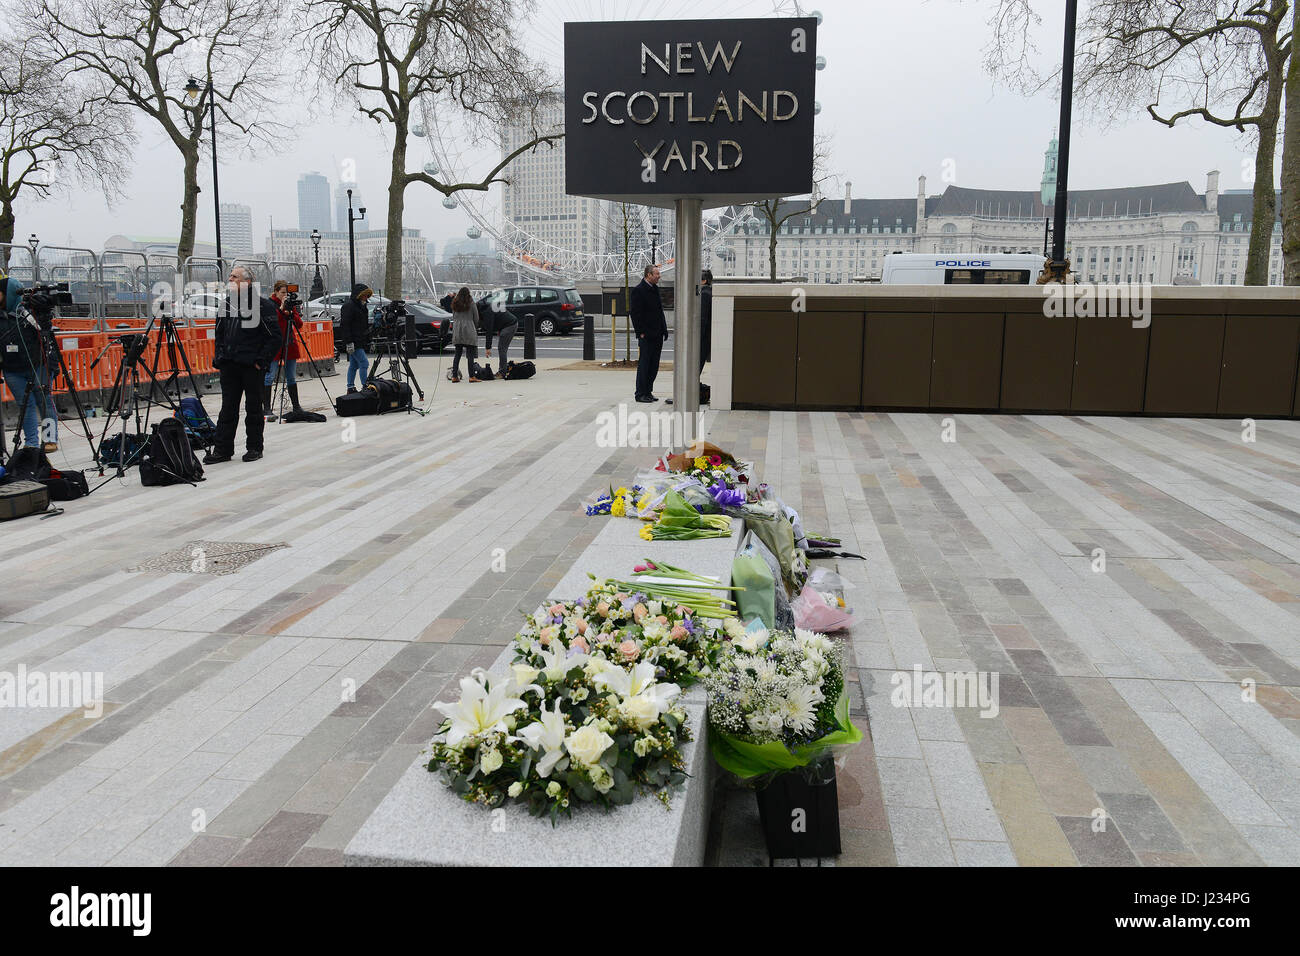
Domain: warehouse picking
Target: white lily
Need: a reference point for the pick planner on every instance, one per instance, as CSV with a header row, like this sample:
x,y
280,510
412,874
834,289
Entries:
x,y
482,708
547,735
558,662
638,682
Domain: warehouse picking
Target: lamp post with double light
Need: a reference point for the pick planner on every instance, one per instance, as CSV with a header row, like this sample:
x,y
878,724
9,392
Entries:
x,y
317,286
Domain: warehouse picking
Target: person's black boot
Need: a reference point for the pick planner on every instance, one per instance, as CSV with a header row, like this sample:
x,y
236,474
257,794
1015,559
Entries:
x,y
293,397
266,403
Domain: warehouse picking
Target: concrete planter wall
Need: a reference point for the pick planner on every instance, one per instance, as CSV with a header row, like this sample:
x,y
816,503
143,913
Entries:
x,y
1207,351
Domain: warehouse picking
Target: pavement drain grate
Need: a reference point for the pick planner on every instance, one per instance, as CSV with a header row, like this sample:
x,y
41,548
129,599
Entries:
x,y
209,557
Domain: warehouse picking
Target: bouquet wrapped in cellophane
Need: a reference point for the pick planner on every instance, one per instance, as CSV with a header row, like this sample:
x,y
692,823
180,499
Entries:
x,y
777,703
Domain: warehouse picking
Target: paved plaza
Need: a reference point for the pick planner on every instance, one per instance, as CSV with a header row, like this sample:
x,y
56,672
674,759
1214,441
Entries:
x,y
1133,583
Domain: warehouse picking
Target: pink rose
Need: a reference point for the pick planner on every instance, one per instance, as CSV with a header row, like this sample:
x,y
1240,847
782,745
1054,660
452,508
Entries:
x,y
602,609
544,638
582,626
662,619
639,611
683,610
620,597
557,609
629,650
678,633
581,643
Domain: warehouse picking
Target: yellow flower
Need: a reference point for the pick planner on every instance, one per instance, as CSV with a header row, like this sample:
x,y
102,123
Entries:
x,y
647,532
621,493
701,463
618,508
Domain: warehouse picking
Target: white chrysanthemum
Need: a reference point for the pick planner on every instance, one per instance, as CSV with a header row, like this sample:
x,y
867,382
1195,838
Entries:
x,y
811,640
799,708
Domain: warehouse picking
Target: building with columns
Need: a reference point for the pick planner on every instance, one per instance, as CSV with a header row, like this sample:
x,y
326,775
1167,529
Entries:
x,y
1163,234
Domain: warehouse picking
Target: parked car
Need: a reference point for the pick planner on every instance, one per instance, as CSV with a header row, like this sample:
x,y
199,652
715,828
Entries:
x,y
555,309
432,324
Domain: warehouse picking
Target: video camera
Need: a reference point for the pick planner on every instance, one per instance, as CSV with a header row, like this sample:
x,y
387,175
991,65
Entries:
x,y
291,300
42,300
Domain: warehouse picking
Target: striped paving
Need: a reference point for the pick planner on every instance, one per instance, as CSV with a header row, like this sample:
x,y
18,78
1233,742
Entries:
x,y
1148,711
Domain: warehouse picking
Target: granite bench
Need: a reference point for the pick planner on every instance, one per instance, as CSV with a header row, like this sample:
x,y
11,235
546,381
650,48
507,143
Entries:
x,y
422,823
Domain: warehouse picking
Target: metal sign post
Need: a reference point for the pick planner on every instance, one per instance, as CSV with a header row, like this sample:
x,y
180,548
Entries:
x,y
686,293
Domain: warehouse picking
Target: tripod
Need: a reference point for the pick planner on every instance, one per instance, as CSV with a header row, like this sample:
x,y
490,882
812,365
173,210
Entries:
x,y
394,351
281,373
47,348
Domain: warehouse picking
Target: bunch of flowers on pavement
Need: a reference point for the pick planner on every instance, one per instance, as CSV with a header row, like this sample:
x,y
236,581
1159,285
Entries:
x,y
680,521
618,502
777,702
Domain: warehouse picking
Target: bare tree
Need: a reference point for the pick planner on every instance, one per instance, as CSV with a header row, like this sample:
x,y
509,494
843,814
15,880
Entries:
x,y
143,54
1291,165
1224,61
53,132
776,212
393,58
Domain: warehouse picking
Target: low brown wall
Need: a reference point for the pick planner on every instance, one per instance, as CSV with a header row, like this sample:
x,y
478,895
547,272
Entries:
x,y
1206,352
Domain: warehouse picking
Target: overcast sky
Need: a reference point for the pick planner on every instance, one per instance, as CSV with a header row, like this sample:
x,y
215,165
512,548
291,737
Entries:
x,y
904,94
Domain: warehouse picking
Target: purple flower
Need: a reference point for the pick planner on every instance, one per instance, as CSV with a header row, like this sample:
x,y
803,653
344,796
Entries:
x,y
688,622
557,619
581,602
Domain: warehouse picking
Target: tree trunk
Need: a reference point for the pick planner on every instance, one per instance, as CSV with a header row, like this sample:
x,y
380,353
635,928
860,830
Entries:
x,y
396,205
1265,208
6,232
189,203
1291,165
771,250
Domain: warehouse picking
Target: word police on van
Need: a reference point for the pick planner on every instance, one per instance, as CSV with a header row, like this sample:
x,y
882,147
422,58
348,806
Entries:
x,y
909,268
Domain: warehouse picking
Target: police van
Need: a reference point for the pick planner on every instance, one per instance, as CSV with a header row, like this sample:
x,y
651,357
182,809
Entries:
x,y
913,268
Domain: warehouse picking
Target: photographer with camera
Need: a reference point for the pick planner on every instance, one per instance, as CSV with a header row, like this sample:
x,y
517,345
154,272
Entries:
x,y
246,342
26,359
354,329
288,309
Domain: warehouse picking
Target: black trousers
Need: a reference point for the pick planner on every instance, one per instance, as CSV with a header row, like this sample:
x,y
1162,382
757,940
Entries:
x,y
240,381
647,366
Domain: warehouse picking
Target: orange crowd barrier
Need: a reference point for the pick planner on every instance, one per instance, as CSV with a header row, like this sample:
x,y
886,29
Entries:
x,y
81,348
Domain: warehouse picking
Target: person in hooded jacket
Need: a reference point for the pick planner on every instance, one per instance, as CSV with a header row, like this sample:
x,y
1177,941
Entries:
x,y
354,329
247,339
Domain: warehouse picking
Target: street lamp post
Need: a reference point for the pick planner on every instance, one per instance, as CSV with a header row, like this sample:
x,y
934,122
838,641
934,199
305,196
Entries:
x,y
352,248
194,94
1056,268
317,287
654,242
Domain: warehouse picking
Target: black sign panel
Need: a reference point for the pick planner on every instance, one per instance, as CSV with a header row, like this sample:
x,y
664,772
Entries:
x,y
719,110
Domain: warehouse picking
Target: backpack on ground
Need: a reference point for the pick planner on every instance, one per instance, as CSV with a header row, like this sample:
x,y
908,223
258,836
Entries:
x,y
169,458
28,463
67,485
110,449
518,370
198,423
481,372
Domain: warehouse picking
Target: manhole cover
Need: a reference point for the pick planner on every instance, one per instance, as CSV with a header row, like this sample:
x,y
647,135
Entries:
x,y
209,557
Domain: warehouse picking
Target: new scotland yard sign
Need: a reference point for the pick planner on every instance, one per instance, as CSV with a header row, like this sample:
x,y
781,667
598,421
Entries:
x,y
717,110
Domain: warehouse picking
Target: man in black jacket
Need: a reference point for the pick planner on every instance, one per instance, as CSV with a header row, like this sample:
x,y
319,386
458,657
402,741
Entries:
x,y
247,337
354,330
706,317
651,332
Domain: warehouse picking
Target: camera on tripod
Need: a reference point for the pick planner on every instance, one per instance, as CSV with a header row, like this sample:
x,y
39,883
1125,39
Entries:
x,y
291,300
390,321
41,300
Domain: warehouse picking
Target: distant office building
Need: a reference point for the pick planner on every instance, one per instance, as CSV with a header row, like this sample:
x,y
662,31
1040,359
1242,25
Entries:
x,y
294,245
481,246
236,229
314,202
1163,234
341,205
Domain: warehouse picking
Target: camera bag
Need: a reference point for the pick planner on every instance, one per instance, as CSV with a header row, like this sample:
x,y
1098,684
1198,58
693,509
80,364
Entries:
x,y
169,458
18,499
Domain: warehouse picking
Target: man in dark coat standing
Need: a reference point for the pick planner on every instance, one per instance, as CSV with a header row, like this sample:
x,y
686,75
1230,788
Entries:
x,y
706,317
354,330
247,338
651,332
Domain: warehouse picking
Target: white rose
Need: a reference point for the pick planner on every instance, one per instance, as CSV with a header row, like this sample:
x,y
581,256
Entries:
x,y
516,789
640,711
601,780
552,789
596,665
775,723
733,627
655,608
490,761
586,744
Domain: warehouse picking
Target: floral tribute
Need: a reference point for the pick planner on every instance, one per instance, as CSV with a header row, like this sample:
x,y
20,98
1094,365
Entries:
x,y
618,502
777,702
589,710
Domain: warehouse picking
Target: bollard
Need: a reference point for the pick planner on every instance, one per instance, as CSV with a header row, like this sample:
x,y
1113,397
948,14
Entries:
x,y
530,337
589,338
